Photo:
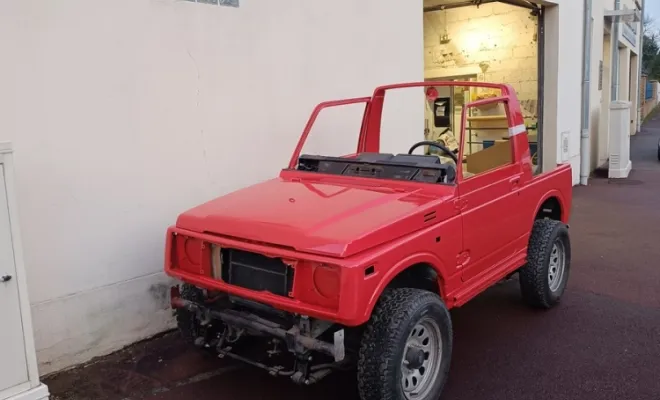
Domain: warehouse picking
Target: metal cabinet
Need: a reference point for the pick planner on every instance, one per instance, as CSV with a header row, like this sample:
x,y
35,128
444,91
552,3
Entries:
x,y
19,378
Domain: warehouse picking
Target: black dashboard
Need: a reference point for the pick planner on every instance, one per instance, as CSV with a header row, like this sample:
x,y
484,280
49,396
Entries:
x,y
406,167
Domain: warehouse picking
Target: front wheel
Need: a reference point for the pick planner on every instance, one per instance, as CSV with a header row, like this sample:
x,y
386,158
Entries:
x,y
406,348
543,279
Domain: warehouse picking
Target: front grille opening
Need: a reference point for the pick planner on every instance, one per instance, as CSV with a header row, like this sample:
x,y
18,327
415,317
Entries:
x,y
257,272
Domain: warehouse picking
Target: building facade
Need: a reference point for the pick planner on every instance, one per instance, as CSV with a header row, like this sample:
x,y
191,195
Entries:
x,y
615,60
123,113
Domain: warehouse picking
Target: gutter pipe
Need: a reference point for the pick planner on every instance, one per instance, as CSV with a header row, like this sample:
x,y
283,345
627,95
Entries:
x,y
585,139
614,38
639,75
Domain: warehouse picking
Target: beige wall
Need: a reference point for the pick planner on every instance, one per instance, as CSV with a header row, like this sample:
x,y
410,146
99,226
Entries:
x,y
124,113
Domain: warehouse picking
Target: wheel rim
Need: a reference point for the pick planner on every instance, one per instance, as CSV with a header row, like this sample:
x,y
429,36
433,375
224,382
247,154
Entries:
x,y
421,359
557,266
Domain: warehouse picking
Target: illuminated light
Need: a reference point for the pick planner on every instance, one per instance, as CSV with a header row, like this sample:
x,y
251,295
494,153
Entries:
x,y
471,42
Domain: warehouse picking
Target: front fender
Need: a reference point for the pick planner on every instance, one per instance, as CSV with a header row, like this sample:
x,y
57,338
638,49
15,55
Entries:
x,y
427,258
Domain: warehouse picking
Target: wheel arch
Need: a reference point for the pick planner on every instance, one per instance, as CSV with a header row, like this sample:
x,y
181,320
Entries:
x,y
553,206
421,271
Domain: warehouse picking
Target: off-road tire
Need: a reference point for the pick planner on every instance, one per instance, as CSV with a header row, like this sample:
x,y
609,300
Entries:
x,y
186,320
534,283
383,343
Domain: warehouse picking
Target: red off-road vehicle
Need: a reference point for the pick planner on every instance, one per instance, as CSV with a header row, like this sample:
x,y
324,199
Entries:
x,y
354,261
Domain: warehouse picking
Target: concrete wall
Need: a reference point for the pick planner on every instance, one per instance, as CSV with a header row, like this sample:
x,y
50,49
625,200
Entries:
x,y
123,113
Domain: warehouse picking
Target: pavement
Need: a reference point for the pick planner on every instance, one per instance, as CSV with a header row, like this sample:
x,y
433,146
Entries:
x,y
602,342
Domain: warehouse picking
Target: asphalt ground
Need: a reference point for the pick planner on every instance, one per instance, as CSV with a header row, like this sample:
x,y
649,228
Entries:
x,y
602,342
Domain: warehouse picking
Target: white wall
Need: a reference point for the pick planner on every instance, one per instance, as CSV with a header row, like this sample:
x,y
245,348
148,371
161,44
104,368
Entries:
x,y
563,83
124,113
599,97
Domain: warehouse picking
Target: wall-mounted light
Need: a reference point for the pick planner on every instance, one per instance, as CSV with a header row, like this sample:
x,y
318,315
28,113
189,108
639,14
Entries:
x,y
444,38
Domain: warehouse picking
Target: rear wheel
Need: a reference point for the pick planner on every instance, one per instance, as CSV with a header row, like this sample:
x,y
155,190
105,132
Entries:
x,y
406,348
543,279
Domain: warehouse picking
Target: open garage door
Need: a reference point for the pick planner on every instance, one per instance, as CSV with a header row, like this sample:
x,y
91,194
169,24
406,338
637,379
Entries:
x,y
434,5
486,41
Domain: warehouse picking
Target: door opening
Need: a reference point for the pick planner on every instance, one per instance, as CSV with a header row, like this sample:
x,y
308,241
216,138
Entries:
x,y
494,41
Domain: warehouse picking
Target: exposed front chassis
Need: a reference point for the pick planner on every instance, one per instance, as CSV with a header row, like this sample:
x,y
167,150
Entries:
x,y
301,339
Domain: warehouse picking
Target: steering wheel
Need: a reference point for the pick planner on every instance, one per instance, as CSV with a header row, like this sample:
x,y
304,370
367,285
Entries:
x,y
450,153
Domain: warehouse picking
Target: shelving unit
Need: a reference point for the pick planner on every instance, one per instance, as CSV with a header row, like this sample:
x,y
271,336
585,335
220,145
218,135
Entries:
x,y
489,123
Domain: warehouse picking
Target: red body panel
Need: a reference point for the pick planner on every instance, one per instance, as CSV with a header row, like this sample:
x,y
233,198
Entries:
x,y
320,215
367,231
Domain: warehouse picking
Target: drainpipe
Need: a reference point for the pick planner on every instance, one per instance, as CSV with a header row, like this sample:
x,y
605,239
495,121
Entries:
x,y
639,75
585,141
615,53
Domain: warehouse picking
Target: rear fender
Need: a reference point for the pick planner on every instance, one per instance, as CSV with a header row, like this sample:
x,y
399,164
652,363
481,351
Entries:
x,y
420,258
562,203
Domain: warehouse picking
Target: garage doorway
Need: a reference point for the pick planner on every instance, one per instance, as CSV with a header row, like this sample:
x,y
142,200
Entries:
x,y
486,41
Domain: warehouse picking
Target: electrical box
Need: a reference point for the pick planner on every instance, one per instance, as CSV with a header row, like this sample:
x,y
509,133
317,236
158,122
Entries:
x,y
19,378
620,164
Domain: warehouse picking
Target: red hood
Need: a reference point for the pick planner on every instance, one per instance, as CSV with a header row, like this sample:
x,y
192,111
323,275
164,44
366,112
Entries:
x,y
321,218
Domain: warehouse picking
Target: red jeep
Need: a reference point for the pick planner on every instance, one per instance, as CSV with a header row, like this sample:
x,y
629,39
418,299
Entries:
x,y
354,261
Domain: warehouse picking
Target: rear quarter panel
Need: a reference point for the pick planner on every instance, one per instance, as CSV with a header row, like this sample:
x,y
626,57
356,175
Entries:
x,y
557,183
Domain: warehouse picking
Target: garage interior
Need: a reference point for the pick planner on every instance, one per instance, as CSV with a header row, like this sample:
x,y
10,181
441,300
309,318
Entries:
x,y
483,41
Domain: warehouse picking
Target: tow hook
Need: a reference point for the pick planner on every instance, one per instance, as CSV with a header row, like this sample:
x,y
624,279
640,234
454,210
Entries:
x,y
175,297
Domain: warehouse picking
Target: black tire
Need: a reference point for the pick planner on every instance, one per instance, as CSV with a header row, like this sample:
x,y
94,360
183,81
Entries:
x,y
383,344
658,151
186,321
534,276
